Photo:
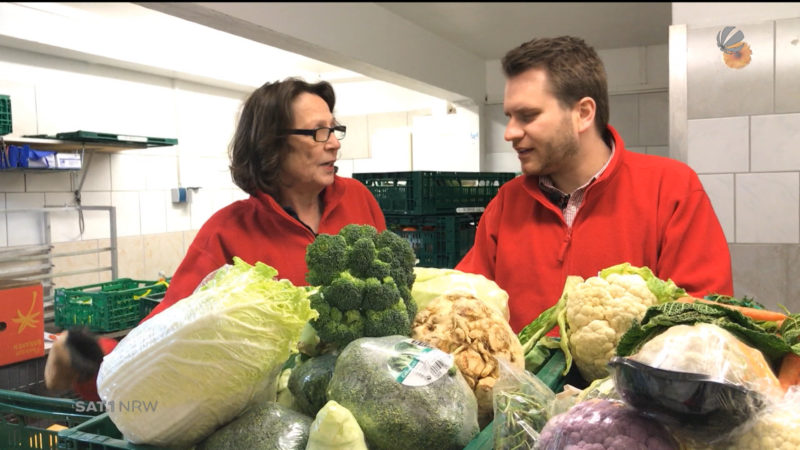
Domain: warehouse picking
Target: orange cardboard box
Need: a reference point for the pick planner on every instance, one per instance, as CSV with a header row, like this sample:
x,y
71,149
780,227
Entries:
x,y
21,321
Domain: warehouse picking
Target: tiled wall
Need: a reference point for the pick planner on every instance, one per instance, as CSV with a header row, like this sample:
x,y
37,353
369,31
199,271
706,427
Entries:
x,y
743,139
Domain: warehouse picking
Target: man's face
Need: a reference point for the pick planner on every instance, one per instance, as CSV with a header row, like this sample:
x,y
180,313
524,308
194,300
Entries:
x,y
543,133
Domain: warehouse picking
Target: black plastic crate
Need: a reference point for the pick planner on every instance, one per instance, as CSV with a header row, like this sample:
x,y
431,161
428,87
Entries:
x,y
438,240
421,192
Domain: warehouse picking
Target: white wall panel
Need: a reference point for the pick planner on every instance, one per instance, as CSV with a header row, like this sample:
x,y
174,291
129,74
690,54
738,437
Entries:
x,y
716,90
787,65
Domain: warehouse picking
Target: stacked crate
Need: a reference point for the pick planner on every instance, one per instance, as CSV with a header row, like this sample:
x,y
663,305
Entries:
x,y
437,212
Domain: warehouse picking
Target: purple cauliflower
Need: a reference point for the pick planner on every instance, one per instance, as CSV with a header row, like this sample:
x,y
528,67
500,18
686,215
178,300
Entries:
x,y
601,424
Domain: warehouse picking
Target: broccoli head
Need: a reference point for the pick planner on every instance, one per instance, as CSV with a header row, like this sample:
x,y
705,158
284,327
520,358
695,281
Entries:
x,y
344,292
361,272
327,257
388,322
335,326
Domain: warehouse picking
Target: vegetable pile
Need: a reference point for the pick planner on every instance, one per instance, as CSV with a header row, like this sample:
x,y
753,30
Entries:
x,y
379,354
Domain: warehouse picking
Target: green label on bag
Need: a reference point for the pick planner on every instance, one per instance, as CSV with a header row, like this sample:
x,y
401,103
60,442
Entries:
x,y
417,364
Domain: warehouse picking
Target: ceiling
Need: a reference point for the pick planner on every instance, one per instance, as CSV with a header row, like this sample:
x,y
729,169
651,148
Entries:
x,y
489,30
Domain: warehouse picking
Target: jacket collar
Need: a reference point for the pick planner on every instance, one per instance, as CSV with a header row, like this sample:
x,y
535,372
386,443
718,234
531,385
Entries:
x,y
531,183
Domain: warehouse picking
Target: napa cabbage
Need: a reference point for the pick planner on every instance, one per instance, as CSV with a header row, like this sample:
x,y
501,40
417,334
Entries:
x,y
183,373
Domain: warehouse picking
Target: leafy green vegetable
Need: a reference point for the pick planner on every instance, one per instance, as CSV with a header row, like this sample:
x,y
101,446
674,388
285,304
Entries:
x,y
268,427
730,300
206,358
364,280
659,318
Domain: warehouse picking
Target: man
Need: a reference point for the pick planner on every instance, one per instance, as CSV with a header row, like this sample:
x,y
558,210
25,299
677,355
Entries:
x,y
584,202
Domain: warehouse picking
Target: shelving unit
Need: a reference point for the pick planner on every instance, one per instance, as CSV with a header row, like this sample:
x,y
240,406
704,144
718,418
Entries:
x,y
87,143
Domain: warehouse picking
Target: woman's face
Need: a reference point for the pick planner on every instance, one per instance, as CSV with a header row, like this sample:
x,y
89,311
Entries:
x,y
309,164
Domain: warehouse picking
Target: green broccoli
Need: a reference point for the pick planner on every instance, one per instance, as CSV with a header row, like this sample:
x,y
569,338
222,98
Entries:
x,y
364,280
387,322
327,254
344,292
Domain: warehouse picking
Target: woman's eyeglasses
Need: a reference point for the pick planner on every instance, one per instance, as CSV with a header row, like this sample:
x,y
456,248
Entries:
x,y
321,134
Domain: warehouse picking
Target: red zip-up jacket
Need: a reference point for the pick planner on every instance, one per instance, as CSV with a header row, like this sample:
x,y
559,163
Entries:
x,y
643,209
259,229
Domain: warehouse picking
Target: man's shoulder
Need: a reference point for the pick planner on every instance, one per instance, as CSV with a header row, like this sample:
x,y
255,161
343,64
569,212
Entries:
x,y
642,161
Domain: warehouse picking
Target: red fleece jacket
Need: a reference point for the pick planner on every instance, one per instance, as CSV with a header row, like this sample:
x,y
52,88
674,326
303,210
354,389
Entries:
x,y
259,229
646,210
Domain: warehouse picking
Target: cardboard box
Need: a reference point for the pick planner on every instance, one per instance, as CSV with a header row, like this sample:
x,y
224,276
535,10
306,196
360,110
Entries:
x,y
21,321
68,161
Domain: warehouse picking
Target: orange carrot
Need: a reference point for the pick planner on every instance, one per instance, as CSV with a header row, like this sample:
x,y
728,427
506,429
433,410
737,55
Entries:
x,y
789,373
753,313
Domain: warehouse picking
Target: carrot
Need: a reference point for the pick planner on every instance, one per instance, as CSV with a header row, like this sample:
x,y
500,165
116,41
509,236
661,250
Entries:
x,y
753,313
789,373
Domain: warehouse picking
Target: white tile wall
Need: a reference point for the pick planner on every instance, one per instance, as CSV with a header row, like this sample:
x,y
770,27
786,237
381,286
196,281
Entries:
x,y
153,206
96,223
653,128
128,212
775,142
624,117
24,228
720,190
98,175
127,171
12,182
719,145
768,207
48,182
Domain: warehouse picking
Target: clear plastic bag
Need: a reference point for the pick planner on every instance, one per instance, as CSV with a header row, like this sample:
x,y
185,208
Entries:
x,y
270,426
700,380
522,406
776,427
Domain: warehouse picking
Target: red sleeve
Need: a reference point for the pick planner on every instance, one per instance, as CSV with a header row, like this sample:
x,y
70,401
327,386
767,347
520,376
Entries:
x,y
694,250
87,390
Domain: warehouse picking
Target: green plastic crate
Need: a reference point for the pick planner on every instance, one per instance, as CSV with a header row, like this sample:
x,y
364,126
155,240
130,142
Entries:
x,y
104,307
551,374
99,433
439,240
5,115
422,192
25,418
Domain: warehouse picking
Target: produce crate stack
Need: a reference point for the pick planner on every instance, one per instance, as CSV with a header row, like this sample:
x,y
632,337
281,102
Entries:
x,y
437,212
5,115
110,306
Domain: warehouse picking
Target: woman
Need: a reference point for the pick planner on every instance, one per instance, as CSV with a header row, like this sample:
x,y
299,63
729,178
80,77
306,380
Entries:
x,y
282,154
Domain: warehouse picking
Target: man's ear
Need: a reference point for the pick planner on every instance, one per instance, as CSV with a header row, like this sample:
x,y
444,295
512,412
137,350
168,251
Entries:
x,y
583,114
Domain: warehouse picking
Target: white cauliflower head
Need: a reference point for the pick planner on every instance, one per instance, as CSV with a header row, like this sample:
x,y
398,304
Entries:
x,y
599,312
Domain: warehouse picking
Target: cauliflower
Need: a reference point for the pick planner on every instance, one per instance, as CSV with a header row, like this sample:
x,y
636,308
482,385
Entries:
x,y
476,335
599,312
593,314
601,424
